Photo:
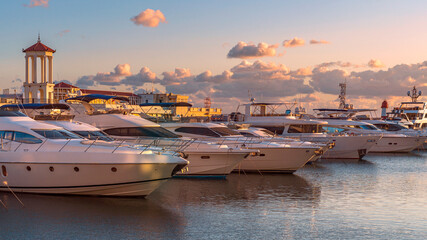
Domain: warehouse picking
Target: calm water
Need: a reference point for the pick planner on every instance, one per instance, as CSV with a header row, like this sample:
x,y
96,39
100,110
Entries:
x,y
383,197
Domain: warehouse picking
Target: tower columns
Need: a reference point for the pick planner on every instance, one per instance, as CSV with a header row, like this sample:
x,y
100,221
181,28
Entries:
x,y
50,69
27,80
34,77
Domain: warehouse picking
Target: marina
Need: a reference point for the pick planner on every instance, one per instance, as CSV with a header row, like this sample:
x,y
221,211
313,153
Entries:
x,y
213,120
334,199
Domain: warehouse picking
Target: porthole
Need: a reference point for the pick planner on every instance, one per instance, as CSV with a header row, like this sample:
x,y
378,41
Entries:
x,y
28,168
262,154
205,157
113,169
3,171
51,169
76,169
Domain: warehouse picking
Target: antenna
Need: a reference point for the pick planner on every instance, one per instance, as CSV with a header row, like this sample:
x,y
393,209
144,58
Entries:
x,y
251,99
342,95
414,94
38,39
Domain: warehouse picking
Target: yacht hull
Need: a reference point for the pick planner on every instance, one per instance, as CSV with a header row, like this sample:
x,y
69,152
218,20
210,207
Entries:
x,y
347,147
211,164
397,144
279,160
101,179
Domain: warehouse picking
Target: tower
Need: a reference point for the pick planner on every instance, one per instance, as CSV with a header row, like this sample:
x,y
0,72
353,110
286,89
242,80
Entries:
x,y
38,87
343,87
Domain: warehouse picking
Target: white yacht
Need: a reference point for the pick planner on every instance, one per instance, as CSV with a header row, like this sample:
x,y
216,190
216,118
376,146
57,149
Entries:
x,y
413,113
206,159
272,157
266,115
41,158
390,142
261,133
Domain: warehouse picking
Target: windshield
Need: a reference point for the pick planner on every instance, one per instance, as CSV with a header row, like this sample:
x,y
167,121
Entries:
x,y
304,128
141,132
57,134
368,127
94,135
223,131
390,127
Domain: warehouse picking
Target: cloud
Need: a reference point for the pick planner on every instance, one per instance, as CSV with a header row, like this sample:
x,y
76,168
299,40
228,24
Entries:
x,y
319,42
324,66
245,50
375,63
392,82
145,75
304,72
109,78
37,3
149,18
62,33
295,42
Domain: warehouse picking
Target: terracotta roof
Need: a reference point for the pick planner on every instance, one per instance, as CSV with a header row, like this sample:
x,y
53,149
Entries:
x,y
64,85
113,93
39,47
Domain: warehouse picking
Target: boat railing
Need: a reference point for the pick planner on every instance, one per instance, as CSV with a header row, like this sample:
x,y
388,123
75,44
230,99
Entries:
x,y
157,145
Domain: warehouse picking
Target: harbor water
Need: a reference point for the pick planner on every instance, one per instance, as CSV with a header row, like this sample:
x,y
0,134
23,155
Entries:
x,y
380,197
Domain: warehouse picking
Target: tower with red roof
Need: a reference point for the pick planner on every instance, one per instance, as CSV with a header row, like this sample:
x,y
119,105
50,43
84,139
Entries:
x,y
38,87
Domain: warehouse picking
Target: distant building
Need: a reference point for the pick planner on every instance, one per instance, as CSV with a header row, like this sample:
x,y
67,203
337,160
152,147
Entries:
x,y
8,97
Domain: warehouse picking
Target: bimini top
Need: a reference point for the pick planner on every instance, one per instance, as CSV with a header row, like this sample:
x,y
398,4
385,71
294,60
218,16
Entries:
x,y
90,97
16,107
171,104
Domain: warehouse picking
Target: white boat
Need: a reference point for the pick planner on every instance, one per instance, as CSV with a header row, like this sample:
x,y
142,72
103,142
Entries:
x,y
266,115
261,133
414,113
40,158
390,142
206,159
272,157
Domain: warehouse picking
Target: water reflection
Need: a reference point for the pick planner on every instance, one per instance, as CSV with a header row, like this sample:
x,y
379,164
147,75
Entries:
x,y
67,217
237,188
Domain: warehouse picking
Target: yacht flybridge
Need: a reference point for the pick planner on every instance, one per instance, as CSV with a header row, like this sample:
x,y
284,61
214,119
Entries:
x,y
37,157
413,112
206,159
268,116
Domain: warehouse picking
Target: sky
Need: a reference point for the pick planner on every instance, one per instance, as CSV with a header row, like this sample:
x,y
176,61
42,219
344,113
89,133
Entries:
x,y
229,51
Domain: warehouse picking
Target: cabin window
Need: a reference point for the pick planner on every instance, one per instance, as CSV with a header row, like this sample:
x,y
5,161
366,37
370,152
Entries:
x,y
94,135
57,134
3,171
303,128
141,132
26,138
223,131
330,129
246,134
198,131
274,130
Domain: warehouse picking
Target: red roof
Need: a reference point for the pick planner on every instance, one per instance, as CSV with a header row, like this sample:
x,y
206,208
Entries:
x,y
64,85
113,93
39,47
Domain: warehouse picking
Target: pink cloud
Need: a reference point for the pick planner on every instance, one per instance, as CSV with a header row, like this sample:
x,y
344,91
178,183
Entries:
x,y
295,42
247,50
319,42
37,3
375,63
149,18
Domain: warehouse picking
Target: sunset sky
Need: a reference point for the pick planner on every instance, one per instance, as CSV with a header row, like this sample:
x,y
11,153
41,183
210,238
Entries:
x,y
276,50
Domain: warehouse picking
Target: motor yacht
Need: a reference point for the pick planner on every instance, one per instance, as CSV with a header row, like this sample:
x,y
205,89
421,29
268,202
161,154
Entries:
x,y
261,133
272,157
37,157
267,116
338,120
206,159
